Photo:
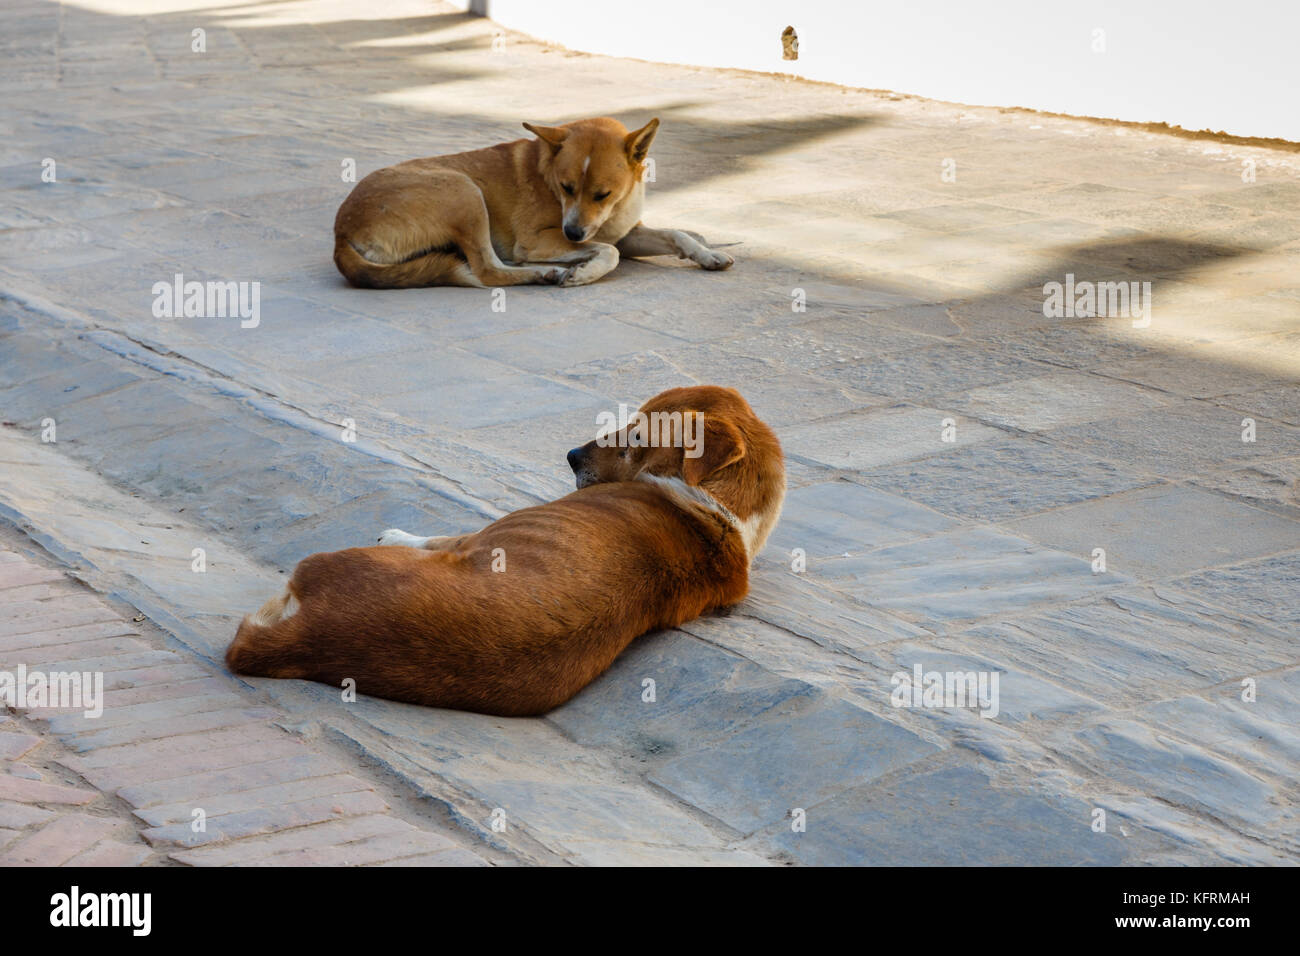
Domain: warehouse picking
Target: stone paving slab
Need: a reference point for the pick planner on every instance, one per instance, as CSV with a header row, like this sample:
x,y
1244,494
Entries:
x,y
1055,400
999,828
1262,737
931,580
882,437
697,694
1265,589
1139,646
830,519
1201,529
818,610
1004,478
1183,440
1022,693
742,789
1189,775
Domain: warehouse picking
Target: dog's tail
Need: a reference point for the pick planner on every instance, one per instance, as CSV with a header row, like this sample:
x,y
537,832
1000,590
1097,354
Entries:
x,y
442,266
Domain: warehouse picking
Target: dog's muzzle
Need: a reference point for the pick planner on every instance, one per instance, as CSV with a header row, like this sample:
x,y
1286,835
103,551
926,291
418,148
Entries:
x,y
577,459
574,233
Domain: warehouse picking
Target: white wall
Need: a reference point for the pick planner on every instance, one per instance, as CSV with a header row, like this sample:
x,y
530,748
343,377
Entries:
x,y
1194,63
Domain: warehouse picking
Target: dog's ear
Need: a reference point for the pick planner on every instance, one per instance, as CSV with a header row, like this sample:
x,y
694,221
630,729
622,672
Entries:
x,y
554,136
721,444
637,143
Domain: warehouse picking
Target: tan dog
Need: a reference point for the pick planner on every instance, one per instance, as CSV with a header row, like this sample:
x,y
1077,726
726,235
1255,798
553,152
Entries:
x,y
519,617
560,209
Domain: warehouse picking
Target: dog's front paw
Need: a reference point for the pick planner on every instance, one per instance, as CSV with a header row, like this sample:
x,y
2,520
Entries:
x,y
555,276
600,261
713,260
583,274
400,538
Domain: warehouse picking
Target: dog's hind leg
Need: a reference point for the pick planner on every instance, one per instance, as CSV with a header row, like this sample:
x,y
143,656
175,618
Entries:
x,y
401,229
643,241
267,643
474,236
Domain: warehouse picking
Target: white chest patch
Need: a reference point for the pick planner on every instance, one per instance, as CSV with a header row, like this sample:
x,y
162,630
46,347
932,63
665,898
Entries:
x,y
750,529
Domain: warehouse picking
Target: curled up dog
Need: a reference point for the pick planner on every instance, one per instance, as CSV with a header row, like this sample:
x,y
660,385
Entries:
x,y
559,209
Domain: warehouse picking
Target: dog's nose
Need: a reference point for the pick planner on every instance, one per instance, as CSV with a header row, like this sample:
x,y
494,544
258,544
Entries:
x,y
574,234
575,458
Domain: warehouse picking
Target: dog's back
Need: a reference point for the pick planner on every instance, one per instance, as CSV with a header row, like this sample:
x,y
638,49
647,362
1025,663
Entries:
x,y
518,620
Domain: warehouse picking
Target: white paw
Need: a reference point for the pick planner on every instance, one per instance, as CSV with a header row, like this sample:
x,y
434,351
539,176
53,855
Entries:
x,y
589,270
401,539
584,274
713,260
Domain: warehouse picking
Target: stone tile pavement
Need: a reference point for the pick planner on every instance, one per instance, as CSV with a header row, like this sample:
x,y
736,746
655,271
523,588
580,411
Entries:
x,y
1100,509
165,760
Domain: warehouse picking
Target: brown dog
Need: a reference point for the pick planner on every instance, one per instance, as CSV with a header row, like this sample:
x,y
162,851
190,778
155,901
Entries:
x,y
557,209
519,617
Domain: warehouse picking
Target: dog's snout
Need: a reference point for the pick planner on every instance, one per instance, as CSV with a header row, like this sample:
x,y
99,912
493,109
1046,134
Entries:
x,y
575,458
574,233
